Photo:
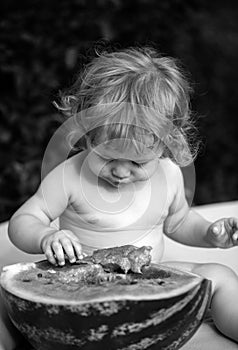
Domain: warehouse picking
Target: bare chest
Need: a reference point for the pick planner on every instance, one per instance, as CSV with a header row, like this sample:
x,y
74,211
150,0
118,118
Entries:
x,y
137,205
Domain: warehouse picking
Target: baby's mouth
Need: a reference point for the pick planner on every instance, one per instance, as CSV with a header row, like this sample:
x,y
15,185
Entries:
x,y
115,181
118,182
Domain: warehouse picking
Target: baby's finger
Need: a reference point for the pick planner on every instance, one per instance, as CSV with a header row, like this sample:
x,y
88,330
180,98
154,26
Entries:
x,y
58,252
50,256
78,249
233,222
68,249
235,238
218,230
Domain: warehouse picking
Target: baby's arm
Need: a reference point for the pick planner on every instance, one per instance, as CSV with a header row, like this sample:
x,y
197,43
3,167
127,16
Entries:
x,y
192,231
196,231
185,225
29,227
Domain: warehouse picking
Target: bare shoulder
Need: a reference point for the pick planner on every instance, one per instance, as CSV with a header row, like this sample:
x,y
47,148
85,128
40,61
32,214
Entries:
x,y
64,175
73,173
171,171
75,163
70,167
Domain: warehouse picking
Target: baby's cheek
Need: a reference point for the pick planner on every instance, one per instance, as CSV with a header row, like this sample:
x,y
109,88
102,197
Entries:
x,y
103,172
141,175
146,172
98,168
152,169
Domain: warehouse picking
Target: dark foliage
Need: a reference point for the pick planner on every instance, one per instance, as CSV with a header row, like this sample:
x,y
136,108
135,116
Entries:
x,y
44,44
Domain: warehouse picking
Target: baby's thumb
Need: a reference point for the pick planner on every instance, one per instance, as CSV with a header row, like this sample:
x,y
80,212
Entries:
x,y
218,229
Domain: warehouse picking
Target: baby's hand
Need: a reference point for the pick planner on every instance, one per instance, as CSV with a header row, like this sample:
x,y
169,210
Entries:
x,y
224,233
57,244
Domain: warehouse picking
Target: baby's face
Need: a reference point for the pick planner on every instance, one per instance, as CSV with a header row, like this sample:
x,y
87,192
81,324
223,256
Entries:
x,y
118,167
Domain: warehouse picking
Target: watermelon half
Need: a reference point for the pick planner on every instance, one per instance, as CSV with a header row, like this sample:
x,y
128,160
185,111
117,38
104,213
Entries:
x,y
160,308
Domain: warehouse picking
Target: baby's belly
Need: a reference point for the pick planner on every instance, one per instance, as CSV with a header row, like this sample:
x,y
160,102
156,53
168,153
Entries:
x,y
92,239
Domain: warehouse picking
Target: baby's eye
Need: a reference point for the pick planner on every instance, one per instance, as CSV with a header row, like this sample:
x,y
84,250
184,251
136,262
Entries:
x,y
138,164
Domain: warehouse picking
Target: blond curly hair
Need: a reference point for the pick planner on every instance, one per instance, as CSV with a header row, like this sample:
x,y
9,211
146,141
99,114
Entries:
x,y
121,91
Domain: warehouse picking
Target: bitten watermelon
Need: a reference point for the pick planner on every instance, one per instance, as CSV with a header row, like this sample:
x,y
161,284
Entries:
x,y
82,306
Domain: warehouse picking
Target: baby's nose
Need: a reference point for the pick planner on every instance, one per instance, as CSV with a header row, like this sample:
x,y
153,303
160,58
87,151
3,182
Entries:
x,y
121,172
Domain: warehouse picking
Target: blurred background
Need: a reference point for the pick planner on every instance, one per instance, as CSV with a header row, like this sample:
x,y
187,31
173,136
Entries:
x,y
44,44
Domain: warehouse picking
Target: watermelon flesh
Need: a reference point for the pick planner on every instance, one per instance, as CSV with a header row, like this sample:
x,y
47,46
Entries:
x,y
82,306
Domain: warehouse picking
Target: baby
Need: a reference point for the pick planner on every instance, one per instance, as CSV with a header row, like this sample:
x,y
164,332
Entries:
x,y
125,186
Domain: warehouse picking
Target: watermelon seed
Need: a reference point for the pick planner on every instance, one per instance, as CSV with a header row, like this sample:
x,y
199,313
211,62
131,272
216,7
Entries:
x,y
161,282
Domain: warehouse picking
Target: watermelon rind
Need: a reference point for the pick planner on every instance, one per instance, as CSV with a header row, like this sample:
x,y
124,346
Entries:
x,y
132,317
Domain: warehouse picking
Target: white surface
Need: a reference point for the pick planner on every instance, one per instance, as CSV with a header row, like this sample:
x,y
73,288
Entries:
x,y
9,254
